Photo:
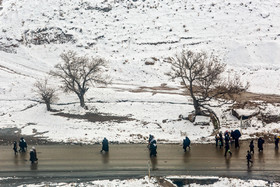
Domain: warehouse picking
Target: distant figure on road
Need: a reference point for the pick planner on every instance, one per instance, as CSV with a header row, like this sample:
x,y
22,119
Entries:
x,y
35,153
260,144
153,147
217,140
249,157
32,156
221,140
276,141
236,135
15,147
22,145
252,146
227,145
105,145
150,139
186,143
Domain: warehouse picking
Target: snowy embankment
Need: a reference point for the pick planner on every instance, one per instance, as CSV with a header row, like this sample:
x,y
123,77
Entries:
x,y
169,181
244,34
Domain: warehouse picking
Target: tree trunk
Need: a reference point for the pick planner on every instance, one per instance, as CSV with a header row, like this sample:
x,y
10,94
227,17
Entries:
x,y
195,101
197,107
82,100
48,106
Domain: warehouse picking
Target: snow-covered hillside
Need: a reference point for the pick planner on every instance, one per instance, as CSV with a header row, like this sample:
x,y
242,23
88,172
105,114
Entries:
x,y
244,34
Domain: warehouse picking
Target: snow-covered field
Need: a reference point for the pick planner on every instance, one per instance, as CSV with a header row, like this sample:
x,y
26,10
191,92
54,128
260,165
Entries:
x,y
245,34
153,182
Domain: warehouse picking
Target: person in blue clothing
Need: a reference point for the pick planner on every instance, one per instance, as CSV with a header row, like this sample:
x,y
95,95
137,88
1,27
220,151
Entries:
x,y
186,143
153,147
105,145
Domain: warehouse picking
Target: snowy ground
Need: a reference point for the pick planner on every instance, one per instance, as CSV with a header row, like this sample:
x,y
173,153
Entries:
x,y
153,182
245,34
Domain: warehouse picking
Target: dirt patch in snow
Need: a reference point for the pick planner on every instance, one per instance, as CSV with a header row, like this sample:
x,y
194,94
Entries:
x,y
97,117
240,98
249,96
9,135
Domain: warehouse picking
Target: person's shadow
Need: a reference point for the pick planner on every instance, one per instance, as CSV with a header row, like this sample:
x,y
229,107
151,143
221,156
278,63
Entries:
x,y
276,155
34,166
105,157
16,159
154,162
186,156
249,167
227,159
261,157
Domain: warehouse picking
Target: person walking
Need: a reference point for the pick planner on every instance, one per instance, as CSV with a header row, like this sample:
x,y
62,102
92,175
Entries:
x,y
276,141
249,157
105,145
217,140
153,147
22,145
15,147
227,145
260,144
221,140
32,156
35,153
186,143
252,146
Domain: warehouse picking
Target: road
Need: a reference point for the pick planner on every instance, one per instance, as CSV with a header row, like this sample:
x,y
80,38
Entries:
x,y
72,162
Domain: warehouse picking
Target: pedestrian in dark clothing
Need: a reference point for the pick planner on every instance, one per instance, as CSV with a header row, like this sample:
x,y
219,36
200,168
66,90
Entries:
x,y
276,141
22,145
15,147
260,144
249,157
186,143
153,147
35,153
105,145
221,140
32,156
236,135
217,140
227,146
150,139
252,146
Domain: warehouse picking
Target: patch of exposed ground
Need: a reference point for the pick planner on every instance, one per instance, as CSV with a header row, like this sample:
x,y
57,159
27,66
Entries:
x,y
97,117
249,96
240,98
245,99
162,89
9,135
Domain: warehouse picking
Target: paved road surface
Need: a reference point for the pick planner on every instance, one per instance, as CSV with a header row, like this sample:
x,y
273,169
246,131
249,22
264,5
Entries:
x,y
73,162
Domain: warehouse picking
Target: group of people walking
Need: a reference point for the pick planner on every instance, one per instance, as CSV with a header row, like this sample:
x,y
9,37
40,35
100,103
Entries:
x,y
23,148
227,140
233,136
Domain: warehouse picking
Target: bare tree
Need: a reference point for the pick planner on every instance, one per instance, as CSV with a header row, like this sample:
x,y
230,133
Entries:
x,y
78,73
45,92
201,75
